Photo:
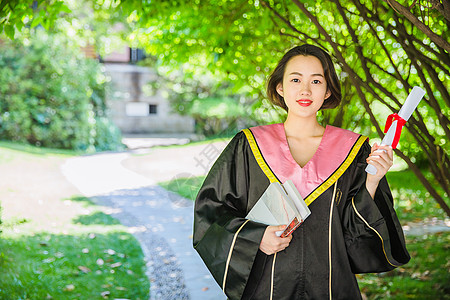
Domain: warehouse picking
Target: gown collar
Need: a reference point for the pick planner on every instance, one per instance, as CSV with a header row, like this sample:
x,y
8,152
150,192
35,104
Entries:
x,y
333,150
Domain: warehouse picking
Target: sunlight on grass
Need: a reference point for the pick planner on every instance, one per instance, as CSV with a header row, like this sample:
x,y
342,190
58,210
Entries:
x,y
412,201
10,151
426,276
89,256
186,187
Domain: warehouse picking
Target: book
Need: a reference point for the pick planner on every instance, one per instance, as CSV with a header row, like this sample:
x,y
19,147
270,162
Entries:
x,y
280,204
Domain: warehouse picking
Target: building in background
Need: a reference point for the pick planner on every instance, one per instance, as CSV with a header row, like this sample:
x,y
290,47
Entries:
x,y
131,109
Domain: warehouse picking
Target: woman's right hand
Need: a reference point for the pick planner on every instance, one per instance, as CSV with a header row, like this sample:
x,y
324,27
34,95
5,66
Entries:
x,y
271,243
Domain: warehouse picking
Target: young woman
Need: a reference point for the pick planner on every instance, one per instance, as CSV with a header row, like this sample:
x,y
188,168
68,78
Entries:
x,y
353,227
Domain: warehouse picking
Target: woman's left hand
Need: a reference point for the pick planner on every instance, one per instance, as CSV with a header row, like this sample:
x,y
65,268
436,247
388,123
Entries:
x,y
383,161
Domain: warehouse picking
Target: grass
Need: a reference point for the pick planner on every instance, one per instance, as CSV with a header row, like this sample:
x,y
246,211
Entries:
x,y
90,256
71,250
426,276
10,151
27,148
412,201
186,187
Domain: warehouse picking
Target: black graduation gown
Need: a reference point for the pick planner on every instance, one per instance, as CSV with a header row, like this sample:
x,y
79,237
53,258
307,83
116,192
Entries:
x,y
347,232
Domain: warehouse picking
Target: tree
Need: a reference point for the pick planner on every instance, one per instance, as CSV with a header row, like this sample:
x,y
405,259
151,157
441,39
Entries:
x,y
380,51
50,94
15,14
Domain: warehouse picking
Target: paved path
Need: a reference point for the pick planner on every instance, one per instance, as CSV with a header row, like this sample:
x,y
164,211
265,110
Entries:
x,y
160,220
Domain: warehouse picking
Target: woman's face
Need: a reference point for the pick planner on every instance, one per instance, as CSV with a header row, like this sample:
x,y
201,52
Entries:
x,y
304,87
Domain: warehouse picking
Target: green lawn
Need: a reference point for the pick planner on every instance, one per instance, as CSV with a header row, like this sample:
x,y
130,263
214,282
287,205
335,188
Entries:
x,y
187,187
91,256
426,276
10,151
71,250
412,201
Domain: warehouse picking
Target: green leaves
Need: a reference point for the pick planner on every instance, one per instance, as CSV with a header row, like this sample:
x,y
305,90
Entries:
x,y
52,96
16,14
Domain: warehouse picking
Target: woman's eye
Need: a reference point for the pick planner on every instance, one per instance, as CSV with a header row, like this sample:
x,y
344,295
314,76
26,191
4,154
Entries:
x,y
316,81
295,80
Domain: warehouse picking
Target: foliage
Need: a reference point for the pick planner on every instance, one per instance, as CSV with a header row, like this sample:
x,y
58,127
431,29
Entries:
x,y
92,258
88,22
52,96
15,14
96,23
380,55
107,135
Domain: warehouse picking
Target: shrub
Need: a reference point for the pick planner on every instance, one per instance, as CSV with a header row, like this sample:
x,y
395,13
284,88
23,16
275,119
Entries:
x,y
50,95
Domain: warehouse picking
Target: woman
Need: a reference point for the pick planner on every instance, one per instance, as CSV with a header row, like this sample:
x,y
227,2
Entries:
x,y
352,228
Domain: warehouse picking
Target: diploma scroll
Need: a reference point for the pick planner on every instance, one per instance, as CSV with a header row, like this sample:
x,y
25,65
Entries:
x,y
395,122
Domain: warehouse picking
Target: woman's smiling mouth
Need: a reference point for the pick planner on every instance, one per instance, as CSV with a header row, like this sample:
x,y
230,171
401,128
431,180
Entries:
x,y
304,102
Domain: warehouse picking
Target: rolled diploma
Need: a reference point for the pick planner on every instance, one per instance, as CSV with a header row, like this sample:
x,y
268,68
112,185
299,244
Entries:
x,y
405,113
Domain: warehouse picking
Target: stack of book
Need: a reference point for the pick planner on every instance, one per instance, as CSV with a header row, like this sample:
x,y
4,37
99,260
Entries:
x,y
279,205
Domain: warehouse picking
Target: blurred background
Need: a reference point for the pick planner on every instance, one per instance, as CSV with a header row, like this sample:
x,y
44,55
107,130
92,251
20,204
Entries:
x,y
108,108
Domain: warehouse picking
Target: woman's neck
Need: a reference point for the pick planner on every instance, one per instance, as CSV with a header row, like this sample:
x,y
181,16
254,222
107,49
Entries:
x,y
303,127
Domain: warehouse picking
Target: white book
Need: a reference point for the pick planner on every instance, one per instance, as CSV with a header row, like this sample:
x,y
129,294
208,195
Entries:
x,y
279,205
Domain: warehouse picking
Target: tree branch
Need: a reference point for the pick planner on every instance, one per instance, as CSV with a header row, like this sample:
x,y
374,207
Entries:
x,y
425,29
424,181
443,8
289,24
403,34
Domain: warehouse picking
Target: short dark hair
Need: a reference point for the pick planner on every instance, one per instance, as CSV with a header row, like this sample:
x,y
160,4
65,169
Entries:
x,y
333,84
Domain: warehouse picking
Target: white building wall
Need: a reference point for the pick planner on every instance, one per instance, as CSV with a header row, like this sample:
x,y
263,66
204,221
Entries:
x,y
130,106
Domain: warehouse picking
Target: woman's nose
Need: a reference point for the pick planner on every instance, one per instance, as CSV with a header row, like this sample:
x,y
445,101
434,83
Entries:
x,y
305,89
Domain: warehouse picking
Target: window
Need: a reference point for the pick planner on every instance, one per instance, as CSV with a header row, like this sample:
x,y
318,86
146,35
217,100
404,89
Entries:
x,y
152,109
136,55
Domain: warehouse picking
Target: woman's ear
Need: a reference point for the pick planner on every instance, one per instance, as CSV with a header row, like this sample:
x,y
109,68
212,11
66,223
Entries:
x,y
280,89
327,94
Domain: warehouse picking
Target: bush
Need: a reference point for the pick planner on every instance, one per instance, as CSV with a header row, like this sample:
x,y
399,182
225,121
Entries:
x,y
216,115
50,95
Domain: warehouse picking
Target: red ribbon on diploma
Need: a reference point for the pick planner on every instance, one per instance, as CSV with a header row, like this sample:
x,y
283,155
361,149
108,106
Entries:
x,y
400,123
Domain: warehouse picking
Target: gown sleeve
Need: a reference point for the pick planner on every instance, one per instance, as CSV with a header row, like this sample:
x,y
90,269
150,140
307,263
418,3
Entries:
x,y
226,241
373,234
